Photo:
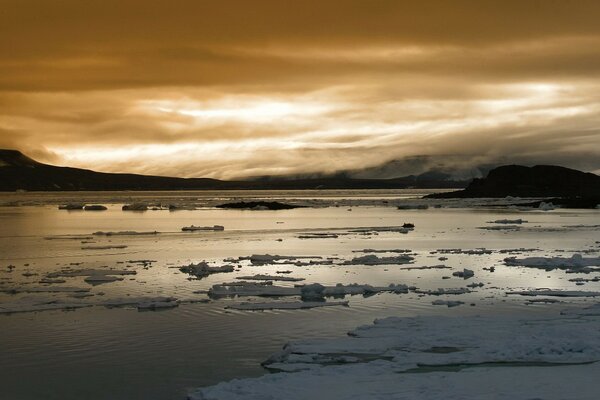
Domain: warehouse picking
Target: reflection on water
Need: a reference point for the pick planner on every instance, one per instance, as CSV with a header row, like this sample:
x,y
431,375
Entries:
x,y
99,353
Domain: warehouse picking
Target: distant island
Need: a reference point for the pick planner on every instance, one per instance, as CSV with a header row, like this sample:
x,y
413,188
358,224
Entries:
x,y
560,185
19,172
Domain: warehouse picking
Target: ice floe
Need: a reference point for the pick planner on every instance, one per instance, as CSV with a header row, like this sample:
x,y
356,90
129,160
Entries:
x,y
104,247
550,358
575,263
71,206
501,228
51,281
554,293
142,303
508,221
427,267
261,277
266,259
443,291
292,305
124,233
480,251
43,289
371,259
465,273
193,228
202,269
448,303
312,291
135,207
95,207
544,206
35,303
382,251
318,236
98,279
92,276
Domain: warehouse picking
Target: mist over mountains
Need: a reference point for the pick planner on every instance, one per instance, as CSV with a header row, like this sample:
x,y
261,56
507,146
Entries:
x,y
19,172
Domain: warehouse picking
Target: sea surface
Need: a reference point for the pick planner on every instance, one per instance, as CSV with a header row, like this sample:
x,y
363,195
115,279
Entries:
x,y
121,353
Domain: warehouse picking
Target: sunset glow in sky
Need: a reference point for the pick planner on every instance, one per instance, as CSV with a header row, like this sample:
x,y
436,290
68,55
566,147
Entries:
x,y
229,89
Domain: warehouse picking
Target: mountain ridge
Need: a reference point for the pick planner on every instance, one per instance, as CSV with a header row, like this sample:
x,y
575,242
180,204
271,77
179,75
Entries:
x,y
19,172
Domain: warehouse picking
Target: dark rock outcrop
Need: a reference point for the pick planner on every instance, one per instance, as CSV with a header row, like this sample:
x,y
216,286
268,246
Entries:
x,y
538,181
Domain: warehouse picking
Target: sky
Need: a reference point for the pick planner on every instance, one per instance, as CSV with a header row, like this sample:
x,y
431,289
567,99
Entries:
x,y
228,89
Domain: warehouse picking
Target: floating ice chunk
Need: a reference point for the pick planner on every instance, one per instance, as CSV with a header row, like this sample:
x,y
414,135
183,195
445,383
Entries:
x,y
477,252
508,221
35,303
135,207
142,262
519,250
157,304
475,285
203,228
295,305
428,267
142,303
356,288
442,291
68,237
465,273
98,279
448,303
71,206
43,289
259,259
181,207
90,272
244,283
266,259
546,301
501,228
413,207
555,293
314,291
546,206
371,259
382,251
575,263
252,290
104,247
51,281
583,280
202,269
124,233
95,207
319,236
397,229
261,277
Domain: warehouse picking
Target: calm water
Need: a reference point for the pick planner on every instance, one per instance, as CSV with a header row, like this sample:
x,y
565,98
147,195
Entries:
x,y
120,353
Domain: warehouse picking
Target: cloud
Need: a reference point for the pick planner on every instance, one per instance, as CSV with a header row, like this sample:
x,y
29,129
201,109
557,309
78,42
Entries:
x,y
235,88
